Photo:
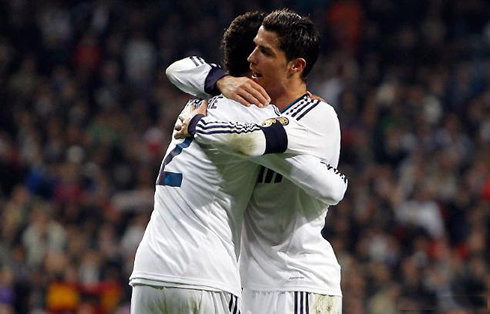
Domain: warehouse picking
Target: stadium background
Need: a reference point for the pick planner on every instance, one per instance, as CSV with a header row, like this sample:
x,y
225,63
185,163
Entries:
x,y
86,112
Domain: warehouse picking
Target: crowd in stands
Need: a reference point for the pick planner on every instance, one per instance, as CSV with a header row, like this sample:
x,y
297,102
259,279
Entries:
x,y
86,114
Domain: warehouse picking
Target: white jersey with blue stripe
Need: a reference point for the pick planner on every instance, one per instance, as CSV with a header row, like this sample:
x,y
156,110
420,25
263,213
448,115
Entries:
x,y
282,247
193,235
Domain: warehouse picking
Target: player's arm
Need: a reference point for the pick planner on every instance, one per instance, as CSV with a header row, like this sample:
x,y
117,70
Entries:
x,y
315,176
315,135
275,135
264,143
194,76
311,174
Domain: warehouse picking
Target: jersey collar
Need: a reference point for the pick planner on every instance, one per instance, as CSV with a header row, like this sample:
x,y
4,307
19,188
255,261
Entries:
x,y
295,102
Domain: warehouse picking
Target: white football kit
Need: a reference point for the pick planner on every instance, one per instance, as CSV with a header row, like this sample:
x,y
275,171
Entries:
x,y
192,239
282,247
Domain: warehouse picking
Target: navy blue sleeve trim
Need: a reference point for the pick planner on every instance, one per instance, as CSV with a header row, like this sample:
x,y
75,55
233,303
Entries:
x,y
213,76
193,123
194,61
276,139
335,170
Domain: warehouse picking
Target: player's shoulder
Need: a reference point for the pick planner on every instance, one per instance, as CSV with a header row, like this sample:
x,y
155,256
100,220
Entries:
x,y
308,108
229,110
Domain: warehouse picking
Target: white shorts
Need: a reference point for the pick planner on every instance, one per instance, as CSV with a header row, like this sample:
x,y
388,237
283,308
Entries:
x,y
289,302
169,300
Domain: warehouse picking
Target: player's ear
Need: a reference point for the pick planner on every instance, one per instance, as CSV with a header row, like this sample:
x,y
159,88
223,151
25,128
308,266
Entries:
x,y
296,66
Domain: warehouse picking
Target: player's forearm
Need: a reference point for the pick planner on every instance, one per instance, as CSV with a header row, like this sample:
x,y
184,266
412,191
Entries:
x,y
245,139
275,135
328,184
264,142
194,76
316,177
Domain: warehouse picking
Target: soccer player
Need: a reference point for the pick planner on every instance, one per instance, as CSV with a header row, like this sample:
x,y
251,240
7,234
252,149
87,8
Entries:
x,y
187,260
286,265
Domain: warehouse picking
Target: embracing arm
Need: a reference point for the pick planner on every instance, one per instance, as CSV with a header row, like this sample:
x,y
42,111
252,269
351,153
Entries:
x,y
194,76
311,174
315,176
275,135
311,129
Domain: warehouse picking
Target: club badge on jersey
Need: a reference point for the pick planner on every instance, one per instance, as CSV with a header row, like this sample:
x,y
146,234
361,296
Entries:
x,y
269,122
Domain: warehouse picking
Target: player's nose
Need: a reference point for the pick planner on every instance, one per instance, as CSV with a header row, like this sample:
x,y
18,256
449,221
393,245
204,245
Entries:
x,y
252,57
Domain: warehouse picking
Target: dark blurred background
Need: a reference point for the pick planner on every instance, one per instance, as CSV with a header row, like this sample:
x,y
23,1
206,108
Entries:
x,y
86,114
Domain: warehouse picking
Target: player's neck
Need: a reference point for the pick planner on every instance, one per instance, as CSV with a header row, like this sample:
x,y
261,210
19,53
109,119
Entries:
x,y
288,94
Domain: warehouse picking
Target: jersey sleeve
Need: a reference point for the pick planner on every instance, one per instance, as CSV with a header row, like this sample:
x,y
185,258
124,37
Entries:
x,y
275,135
263,141
311,174
317,134
239,138
194,76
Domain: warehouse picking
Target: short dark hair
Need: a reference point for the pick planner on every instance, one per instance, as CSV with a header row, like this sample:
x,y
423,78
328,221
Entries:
x,y
298,37
237,42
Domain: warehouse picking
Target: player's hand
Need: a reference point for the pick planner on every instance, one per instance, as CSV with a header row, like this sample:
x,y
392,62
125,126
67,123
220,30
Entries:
x,y
315,97
182,128
243,90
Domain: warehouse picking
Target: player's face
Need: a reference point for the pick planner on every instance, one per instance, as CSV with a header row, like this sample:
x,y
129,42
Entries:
x,y
268,63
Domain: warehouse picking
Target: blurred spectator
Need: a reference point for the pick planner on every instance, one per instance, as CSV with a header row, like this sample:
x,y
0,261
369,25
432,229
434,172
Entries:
x,y
42,235
139,59
345,21
7,293
423,212
87,54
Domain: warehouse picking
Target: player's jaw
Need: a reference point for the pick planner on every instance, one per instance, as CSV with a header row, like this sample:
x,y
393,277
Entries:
x,y
266,73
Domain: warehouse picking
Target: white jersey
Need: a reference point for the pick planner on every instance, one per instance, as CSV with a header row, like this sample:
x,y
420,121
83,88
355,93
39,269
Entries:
x,y
194,232
282,247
